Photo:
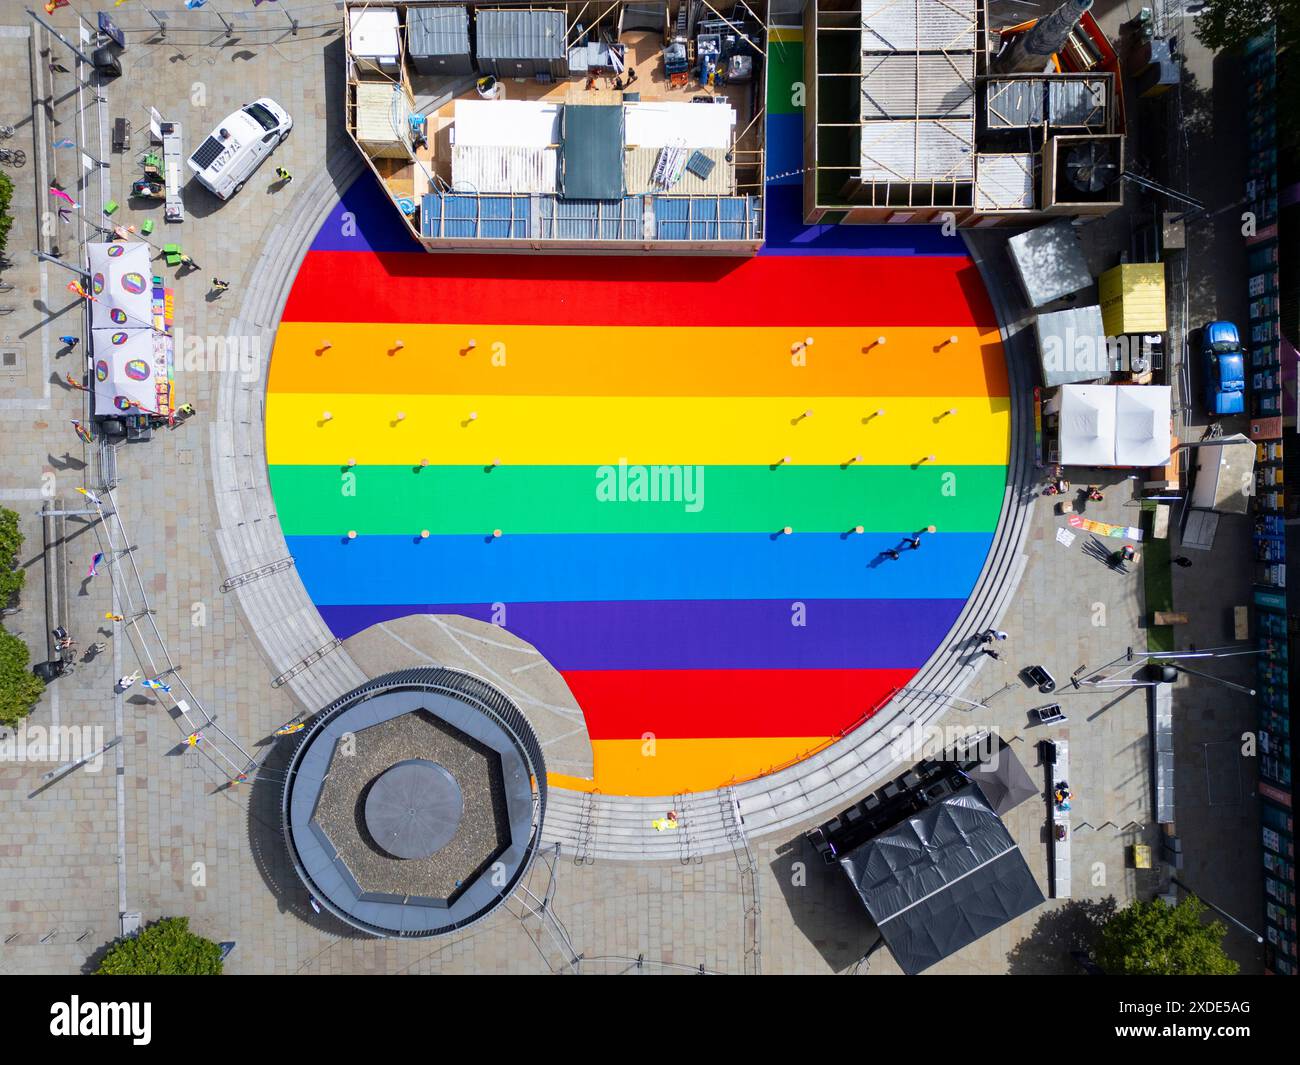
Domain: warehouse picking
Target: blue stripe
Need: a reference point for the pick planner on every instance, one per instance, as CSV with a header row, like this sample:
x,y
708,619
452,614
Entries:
x,y
640,566
786,233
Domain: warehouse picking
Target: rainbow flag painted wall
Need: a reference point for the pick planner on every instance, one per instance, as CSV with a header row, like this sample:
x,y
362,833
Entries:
x,y
639,431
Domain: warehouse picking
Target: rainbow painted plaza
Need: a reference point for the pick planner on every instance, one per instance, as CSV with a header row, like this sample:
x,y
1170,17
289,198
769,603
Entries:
x,y
470,395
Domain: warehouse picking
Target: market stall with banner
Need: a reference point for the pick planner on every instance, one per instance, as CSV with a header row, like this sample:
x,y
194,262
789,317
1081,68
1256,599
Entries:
x,y
131,348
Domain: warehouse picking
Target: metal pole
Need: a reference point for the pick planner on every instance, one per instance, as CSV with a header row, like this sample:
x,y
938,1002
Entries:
x,y
71,47
162,25
1154,186
230,30
68,767
1217,680
46,257
1222,913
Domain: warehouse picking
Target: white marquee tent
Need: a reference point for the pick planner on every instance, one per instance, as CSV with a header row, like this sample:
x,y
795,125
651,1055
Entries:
x,y
1087,425
1142,433
1114,425
130,357
124,371
120,284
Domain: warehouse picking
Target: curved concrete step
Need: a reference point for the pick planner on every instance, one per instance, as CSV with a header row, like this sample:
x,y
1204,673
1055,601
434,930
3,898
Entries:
x,y
280,615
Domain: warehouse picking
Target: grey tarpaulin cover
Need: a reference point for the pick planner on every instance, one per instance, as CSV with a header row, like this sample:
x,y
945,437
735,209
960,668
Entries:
x,y
591,157
1003,780
942,879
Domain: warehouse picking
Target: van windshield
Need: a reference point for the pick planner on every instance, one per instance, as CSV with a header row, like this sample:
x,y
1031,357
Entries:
x,y
263,117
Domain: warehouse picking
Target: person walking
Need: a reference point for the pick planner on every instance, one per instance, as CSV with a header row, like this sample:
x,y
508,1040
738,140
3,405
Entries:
x,y
991,653
219,286
70,342
283,175
1183,561
989,635
914,542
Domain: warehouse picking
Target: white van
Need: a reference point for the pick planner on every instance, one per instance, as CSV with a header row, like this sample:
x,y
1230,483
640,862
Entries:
x,y
237,147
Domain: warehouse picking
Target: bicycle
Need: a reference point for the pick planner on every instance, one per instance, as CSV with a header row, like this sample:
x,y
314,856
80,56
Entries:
x,y
14,157
6,132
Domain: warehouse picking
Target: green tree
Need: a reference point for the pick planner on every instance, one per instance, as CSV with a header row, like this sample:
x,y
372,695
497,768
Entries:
x,y
6,195
165,948
1226,25
19,687
11,543
1154,939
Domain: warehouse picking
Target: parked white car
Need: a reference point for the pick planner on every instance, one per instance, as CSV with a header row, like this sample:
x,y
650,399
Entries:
x,y
232,151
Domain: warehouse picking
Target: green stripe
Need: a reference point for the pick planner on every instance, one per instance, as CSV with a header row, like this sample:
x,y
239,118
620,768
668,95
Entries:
x,y
784,68
450,500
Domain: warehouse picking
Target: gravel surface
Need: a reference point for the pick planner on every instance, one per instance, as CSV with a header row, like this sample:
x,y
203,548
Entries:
x,y
484,826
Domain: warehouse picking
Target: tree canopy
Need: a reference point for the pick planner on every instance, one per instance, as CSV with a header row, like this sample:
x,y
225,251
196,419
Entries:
x,y
1226,25
11,543
165,948
1154,939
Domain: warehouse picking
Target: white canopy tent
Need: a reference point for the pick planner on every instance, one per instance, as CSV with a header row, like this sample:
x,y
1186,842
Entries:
x,y
124,371
121,287
1114,425
1087,425
131,350
1142,433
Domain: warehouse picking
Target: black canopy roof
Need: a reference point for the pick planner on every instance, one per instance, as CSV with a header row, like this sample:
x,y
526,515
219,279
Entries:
x,y
941,879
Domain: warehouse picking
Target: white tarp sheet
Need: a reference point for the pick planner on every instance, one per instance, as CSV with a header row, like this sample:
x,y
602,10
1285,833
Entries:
x,y
374,33
124,371
498,123
121,284
658,124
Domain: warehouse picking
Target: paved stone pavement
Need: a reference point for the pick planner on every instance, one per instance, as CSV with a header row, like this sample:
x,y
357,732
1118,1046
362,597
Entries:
x,y
190,846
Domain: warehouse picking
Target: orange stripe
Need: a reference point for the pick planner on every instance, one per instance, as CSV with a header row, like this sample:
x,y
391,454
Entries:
x,y
666,767
537,360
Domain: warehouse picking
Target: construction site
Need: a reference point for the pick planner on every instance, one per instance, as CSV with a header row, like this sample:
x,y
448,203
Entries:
x,y
920,110
567,126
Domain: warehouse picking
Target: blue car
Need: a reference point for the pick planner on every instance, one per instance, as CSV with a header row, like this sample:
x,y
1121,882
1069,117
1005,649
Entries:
x,y
1224,363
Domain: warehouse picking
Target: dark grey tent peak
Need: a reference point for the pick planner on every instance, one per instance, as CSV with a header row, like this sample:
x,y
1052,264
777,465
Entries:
x,y
941,879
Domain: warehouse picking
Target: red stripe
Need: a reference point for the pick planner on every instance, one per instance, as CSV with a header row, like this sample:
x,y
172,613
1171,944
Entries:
x,y
773,290
706,704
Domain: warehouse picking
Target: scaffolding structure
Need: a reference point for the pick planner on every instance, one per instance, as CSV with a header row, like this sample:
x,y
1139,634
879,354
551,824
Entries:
x,y
892,119
457,196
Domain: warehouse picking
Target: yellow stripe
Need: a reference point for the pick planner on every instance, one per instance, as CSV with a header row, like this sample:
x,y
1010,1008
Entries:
x,y
785,33
621,767
580,430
